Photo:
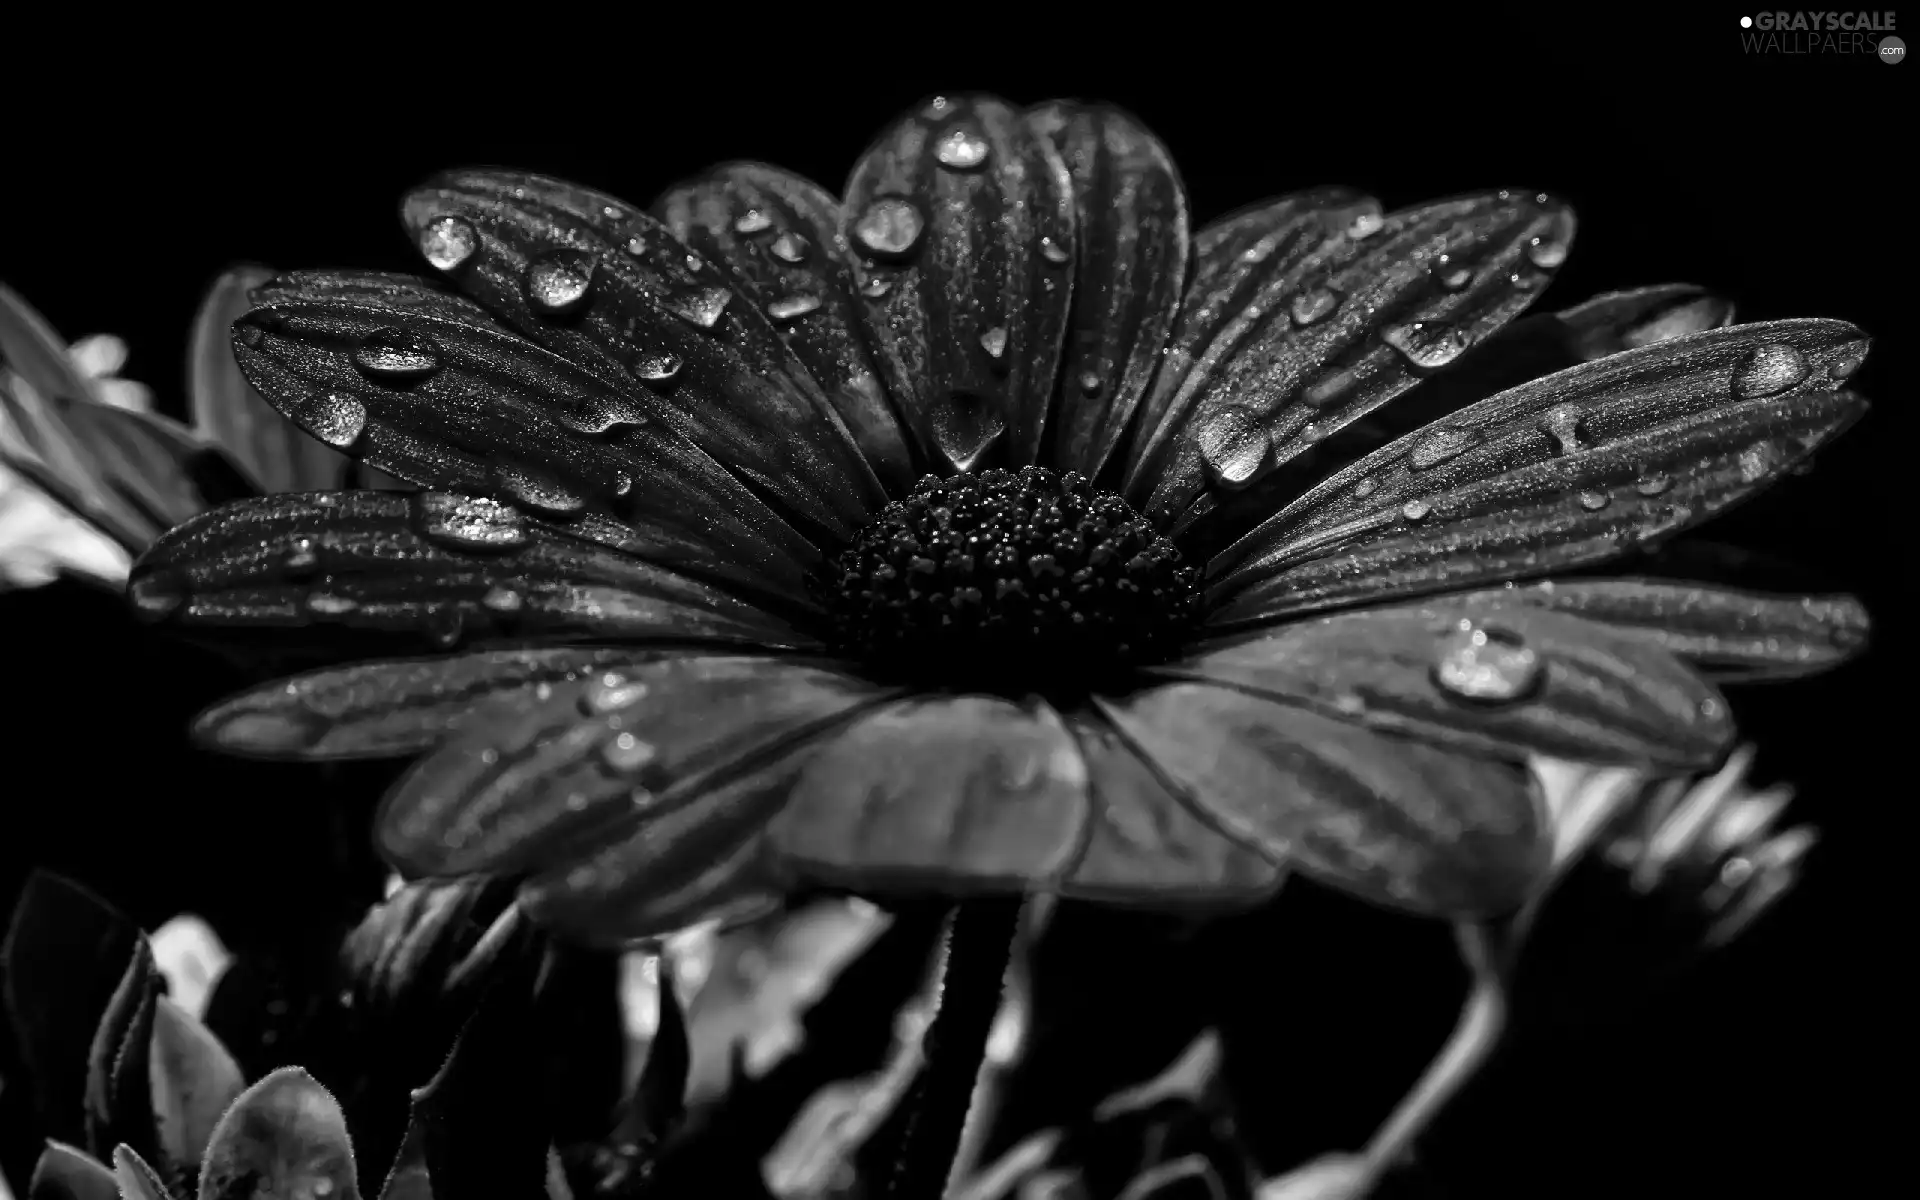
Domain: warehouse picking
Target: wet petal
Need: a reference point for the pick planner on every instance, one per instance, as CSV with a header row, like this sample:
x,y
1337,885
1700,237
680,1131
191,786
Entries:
x,y
446,567
424,385
64,1173
1571,469
1343,319
951,794
607,286
1729,634
521,787
1531,681
781,235
284,1136
1128,274
1396,822
1145,844
275,454
960,217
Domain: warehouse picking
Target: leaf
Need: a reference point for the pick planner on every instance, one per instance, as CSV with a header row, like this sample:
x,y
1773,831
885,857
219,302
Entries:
x,y
1568,470
65,1173
120,1089
194,1079
606,286
65,954
137,1180
402,959
961,219
1130,271
781,236
284,1136
481,1121
276,454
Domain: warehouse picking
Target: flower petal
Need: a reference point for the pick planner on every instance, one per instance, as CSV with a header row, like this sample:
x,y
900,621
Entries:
x,y
1129,273
194,1082
275,454
521,787
781,235
961,218
424,385
64,1173
610,288
1734,635
137,1180
1570,469
119,1096
284,1136
391,709
443,566
1346,318
1396,822
1145,845
1552,683
953,794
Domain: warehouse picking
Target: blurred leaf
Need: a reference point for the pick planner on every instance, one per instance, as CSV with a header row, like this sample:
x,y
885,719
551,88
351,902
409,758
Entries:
x,y
284,1137
190,954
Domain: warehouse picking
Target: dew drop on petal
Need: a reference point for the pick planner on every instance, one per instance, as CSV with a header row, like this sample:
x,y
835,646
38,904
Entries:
x,y
657,368
1053,251
1450,273
1486,665
326,604
753,220
876,287
1089,382
994,342
888,227
1546,252
447,243
1654,484
964,426
790,247
1439,445
1415,510
1314,431
1845,368
636,246
612,692
337,418
701,307
1233,446
961,149
1366,225
792,308
558,281
503,600
1313,306
1594,501
1768,370
158,594
1759,461
1426,346
443,626
302,558
469,522
537,491
1562,424
1330,388
627,753
389,353
1363,489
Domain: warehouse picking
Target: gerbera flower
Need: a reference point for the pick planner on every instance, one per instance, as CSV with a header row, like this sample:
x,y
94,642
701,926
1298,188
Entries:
x,y
950,536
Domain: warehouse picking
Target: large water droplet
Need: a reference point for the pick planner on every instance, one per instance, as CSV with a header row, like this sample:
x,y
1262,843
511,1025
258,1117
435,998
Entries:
x,y
1653,484
889,227
1366,225
1546,252
1315,431
1330,388
328,604
965,425
627,753
389,353
1759,461
1233,446
538,491
336,418
1053,251
1492,666
961,149
503,601
447,243
637,246
752,221
1416,510
1562,424
611,693
1365,488
1312,306
558,281
657,368
701,307
469,522
994,342
158,594
792,308
790,247
443,625
1450,273
1594,501
1768,370
1090,382
302,558
1438,446
1425,345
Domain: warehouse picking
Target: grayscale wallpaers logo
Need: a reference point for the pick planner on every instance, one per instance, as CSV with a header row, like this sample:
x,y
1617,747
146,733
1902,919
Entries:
x,y
1861,33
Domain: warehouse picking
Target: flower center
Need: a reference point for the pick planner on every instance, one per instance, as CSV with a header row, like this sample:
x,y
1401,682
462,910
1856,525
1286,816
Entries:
x,y
1011,580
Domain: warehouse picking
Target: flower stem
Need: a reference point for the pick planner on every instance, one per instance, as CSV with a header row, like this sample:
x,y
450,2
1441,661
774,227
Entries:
x,y
979,942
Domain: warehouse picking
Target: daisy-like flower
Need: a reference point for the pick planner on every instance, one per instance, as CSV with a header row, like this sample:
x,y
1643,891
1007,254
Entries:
x,y
954,536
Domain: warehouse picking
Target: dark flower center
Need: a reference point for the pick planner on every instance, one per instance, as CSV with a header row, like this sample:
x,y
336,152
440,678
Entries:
x,y
1010,580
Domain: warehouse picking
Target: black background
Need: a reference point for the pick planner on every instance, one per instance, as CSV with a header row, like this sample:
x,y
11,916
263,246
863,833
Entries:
x,y
133,175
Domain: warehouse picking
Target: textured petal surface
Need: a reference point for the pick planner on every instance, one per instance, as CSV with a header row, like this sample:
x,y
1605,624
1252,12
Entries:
x,y
447,567
423,384
523,787
606,285
284,1136
1499,680
1571,469
194,1081
961,220
1342,319
1395,822
781,235
64,1173
950,794
1129,273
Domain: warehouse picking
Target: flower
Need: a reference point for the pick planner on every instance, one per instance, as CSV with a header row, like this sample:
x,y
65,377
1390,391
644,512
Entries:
x,y
952,537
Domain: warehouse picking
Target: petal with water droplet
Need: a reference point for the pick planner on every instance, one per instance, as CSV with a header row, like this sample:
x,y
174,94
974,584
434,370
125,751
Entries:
x,y
975,265
1394,821
1129,274
284,1136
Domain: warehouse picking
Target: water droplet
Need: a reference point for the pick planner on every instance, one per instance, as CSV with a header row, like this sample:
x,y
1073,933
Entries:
x,y
302,558
1090,382
469,522
790,247
636,246
612,213
1313,305
1425,345
1546,253
627,753
939,108
695,263
1415,510
961,149
754,220
337,418
447,243
326,604
964,426
1492,666
876,287
250,335
1233,446
503,600
1053,251
558,281
889,227
1768,370
1438,446
792,308
1759,461
443,625
1365,488
657,368
1562,424
1366,225
1654,484
613,692
1594,501
1845,368
538,491
389,353
158,594
1314,431
1450,273
701,307
994,342
1330,388
1526,281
